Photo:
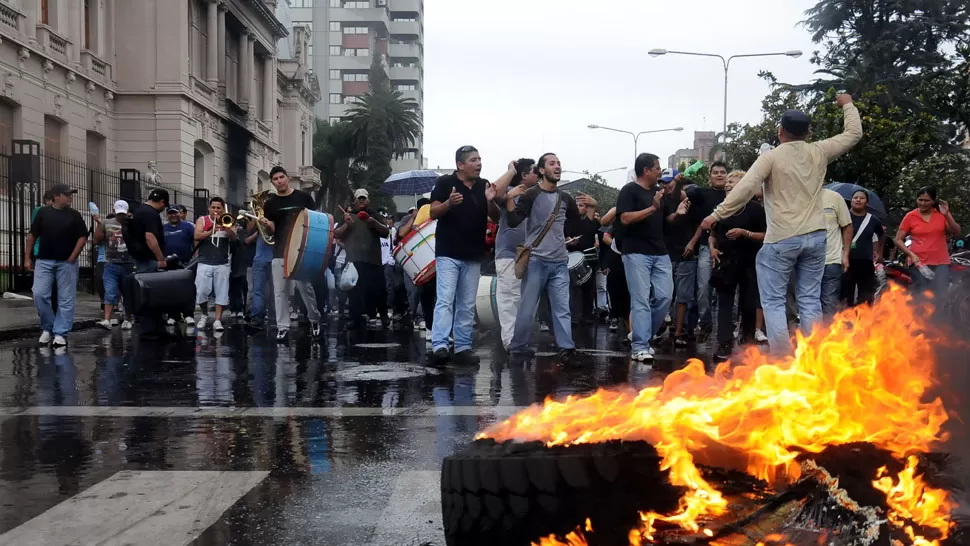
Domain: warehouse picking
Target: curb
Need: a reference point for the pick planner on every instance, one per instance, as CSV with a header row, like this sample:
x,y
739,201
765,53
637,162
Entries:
x,y
27,331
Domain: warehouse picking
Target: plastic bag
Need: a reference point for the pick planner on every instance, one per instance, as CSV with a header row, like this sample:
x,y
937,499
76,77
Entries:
x,y
348,279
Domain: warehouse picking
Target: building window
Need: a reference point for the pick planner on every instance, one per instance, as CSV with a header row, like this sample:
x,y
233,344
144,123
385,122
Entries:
x,y
405,87
232,64
356,5
96,151
309,50
259,66
334,26
45,11
9,113
334,74
356,30
336,50
303,146
302,3
350,77
335,120
335,98
87,24
54,130
199,38
404,20
336,3
351,99
351,52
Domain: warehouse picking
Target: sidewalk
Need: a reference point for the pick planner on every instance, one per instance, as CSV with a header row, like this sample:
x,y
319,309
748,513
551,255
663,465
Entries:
x,y
18,317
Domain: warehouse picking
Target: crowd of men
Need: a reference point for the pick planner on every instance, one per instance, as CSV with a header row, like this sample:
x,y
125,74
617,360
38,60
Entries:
x,y
743,256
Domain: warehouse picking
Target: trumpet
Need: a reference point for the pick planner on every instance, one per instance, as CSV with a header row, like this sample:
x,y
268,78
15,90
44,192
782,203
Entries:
x,y
256,203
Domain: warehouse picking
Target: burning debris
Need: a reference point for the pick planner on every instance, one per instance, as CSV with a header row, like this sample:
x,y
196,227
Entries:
x,y
830,447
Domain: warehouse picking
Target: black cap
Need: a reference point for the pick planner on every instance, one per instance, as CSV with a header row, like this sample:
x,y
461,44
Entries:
x,y
158,195
61,189
462,151
796,123
173,208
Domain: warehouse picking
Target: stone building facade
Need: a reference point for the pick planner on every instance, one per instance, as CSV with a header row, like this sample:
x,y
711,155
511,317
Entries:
x,y
197,86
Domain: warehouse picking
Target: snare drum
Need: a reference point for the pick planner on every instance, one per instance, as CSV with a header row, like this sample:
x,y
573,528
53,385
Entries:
x,y
579,270
308,247
485,306
415,253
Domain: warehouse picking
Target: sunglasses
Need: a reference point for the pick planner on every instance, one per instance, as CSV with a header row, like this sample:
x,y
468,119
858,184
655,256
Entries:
x,y
361,198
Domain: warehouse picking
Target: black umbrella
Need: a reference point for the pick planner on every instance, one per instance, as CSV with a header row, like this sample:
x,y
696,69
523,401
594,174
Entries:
x,y
846,190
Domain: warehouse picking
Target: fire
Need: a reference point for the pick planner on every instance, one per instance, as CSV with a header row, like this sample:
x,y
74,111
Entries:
x,y
911,501
862,379
574,538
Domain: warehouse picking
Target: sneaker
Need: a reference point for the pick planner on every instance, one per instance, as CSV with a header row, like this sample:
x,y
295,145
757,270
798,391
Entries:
x,y
421,325
315,329
59,341
642,356
466,358
680,341
201,324
441,356
760,336
126,325
723,352
106,324
170,322
45,338
190,321
281,334
614,325
543,327
427,335
217,326
294,317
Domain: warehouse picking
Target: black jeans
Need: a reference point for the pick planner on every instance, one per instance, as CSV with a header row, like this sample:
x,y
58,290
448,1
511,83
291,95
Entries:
x,y
428,293
745,282
152,323
238,292
369,294
582,299
861,275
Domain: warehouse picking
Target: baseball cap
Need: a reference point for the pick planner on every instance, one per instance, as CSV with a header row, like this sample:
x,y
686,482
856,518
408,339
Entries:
x,y
411,209
361,193
796,123
61,189
669,174
174,209
158,195
121,206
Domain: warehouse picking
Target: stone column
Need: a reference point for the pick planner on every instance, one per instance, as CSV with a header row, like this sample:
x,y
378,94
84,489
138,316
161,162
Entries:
x,y
212,43
221,33
269,88
251,67
243,79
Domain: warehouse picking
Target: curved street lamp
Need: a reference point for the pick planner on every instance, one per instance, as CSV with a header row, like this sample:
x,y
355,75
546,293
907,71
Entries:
x,y
726,63
636,136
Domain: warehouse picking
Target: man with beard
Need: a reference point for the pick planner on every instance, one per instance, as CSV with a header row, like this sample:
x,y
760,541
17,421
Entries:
x,y
279,213
460,202
361,234
703,201
551,214
508,288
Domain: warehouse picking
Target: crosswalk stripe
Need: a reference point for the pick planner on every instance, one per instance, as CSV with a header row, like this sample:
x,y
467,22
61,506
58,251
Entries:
x,y
413,514
227,412
133,507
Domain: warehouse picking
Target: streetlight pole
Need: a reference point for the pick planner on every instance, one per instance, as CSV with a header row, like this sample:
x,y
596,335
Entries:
x,y
636,136
726,63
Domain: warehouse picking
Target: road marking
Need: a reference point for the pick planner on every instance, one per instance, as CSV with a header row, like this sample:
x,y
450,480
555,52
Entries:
x,y
413,514
227,412
158,508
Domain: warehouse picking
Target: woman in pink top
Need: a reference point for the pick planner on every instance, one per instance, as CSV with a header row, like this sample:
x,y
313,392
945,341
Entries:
x,y
928,226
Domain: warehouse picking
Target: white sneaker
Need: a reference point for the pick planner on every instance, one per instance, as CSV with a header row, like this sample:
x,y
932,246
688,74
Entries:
x,y
629,336
106,324
427,335
126,325
642,356
315,329
189,321
45,338
201,324
171,322
422,325
59,341
760,336
217,326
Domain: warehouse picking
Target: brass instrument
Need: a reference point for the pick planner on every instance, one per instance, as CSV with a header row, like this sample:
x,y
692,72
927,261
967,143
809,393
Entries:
x,y
257,202
226,220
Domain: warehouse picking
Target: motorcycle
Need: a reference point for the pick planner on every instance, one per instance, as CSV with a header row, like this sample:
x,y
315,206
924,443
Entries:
x,y
958,297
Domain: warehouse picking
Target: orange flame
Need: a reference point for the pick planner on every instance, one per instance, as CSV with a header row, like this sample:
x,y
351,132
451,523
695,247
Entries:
x,y
910,500
574,538
862,379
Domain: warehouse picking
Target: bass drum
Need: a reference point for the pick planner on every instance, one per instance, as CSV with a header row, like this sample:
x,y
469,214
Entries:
x,y
486,309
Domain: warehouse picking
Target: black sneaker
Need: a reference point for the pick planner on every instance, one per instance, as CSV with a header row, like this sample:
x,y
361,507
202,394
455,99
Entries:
x,y
680,341
441,357
568,357
614,325
281,334
723,352
466,358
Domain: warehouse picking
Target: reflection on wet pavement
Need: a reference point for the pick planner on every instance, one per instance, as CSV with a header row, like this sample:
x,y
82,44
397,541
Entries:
x,y
335,443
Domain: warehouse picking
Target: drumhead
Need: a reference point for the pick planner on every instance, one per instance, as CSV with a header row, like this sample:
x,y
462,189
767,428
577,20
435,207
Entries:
x,y
294,243
575,259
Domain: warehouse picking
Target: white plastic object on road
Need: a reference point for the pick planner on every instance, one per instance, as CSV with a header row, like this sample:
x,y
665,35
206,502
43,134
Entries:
x,y
926,272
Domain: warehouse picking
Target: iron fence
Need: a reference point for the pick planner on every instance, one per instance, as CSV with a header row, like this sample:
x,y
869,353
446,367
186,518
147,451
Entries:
x,y
19,200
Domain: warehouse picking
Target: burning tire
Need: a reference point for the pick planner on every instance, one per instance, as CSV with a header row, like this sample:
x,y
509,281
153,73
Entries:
x,y
514,493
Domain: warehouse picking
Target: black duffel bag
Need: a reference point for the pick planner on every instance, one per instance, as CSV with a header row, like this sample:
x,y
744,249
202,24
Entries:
x,y
169,291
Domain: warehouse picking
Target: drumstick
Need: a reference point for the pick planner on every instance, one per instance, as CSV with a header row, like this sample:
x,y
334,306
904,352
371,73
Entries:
x,y
341,209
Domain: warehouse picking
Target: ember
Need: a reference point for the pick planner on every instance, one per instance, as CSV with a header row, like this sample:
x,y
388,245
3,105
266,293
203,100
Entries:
x,y
862,380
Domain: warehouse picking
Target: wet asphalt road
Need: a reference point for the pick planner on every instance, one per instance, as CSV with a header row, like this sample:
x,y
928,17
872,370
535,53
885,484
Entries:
x,y
239,440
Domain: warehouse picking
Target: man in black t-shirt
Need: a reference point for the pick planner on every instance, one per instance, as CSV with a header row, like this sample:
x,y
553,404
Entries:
x,y
460,202
680,231
279,213
145,239
639,208
361,234
62,234
703,202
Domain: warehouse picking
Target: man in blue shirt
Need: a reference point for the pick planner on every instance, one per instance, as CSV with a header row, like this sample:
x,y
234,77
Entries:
x,y
262,282
179,235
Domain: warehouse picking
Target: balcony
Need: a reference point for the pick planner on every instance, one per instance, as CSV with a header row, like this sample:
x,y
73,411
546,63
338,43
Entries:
x,y
416,6
413,95
405,73
405,28
350,63
309,178
10,19
376,18
98,69
404,51
52,42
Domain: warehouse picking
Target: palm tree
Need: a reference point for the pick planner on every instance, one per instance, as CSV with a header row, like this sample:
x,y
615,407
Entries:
x,y
335,154
386,107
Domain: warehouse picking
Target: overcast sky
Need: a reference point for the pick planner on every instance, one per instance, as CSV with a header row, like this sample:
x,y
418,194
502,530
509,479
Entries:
x,y
524,77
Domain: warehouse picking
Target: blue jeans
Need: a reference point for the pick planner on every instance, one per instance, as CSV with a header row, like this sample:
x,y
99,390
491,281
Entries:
x,y
705,296
553,279
939,286
644,271
115,276
46,273
455,310
831,288
262,278
804,257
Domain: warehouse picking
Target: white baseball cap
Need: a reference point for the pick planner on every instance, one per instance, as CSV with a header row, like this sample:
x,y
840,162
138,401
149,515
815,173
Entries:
x,y
121,206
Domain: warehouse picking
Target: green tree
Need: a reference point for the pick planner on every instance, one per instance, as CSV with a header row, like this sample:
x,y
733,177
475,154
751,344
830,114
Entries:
x,y
384,125
335,154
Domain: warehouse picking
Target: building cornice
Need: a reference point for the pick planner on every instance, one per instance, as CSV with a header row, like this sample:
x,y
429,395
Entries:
x,y
279,29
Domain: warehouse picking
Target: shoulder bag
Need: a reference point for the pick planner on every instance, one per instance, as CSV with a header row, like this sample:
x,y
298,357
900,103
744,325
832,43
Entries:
x,y
524,252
